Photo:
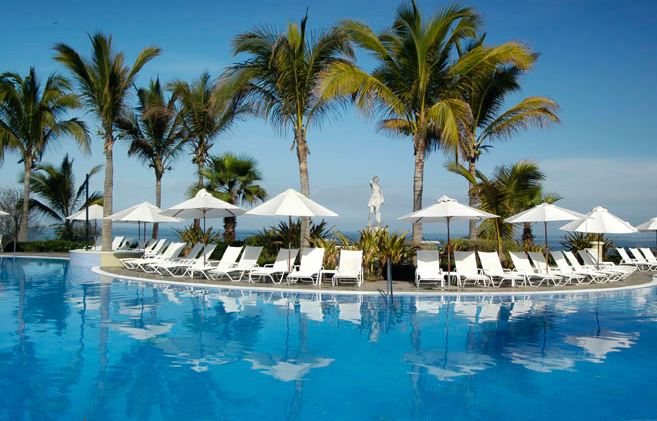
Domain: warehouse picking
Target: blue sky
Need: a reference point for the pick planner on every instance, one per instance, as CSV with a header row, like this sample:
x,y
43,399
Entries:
x,y
598,60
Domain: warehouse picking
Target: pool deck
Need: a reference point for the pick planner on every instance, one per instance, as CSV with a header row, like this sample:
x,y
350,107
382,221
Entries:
x,y
637,280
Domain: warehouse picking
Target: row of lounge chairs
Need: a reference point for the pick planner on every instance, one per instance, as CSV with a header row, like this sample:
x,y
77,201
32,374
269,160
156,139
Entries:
x,y
241,263
643,260
530,269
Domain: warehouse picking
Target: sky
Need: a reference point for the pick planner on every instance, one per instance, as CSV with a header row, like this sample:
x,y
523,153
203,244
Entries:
x,y
598,60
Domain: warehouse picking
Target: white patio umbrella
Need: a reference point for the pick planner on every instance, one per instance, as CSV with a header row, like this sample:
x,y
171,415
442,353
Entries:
x,y
447,210
545,212
290,203
650,225
600,221
143,212
95,214
203,205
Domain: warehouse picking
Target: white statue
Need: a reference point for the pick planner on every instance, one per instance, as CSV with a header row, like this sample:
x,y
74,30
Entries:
x,y
376,200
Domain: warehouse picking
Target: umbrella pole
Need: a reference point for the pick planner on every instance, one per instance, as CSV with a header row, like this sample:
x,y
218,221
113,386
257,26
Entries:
x,y
547,265
205,238
289,243
449,260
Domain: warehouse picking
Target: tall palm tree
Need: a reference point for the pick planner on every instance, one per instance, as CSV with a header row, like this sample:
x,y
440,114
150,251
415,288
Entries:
x,y
233,179
56,194
103,81
486,98
32,116
510,190
155,130
279,80
417,84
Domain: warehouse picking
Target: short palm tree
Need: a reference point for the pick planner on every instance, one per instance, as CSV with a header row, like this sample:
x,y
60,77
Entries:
x,y
104,81
32,116
233,179
512,189
279,79
155,132
57,195
486,98
417,84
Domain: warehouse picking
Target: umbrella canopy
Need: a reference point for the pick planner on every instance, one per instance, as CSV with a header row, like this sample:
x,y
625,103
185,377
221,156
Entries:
x,y
600,221
447,210
650,225
95,213
142,212
545,212
203,205
290,203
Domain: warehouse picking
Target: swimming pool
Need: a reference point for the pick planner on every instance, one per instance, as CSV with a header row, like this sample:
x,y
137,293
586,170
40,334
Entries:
x,y
75,346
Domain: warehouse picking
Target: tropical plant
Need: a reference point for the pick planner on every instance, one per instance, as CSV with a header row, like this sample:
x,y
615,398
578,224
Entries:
x,y
418,81
155,131
379,246
57,196
103,82
279,80
11,202
510,190
233,179
193,234
573,241
32,116
486,98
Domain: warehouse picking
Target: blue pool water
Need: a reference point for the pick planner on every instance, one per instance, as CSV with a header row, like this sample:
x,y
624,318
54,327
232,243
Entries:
x,y
74,346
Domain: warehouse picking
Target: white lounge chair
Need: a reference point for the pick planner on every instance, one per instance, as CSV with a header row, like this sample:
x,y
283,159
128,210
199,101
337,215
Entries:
x,y
645,264
565,269
465,263
602,274
350,266
276,271
310,267
647,253
248,261
156,252
492,267
524,266
176,267
617,272
427,269
172,253
116,243
228,260
627,260
541,266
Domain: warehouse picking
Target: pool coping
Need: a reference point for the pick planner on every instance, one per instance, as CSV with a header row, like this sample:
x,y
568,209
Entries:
x,y
26,256
653,283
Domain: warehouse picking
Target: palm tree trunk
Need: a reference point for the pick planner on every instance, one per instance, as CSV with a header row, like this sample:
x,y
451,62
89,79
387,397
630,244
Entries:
x,y
158,203
418,183
472,199
230,223
25,212
199,172
108,188
302,156
527,234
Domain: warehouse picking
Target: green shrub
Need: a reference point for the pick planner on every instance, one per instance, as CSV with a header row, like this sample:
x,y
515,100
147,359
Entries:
x,y
49,246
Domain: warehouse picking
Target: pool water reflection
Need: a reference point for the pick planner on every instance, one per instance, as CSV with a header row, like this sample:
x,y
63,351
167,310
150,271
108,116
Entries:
x,y
75,346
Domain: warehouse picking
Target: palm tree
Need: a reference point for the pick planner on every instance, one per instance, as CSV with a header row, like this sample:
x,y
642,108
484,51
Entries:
x,y
279,81
416,86
56,194
510,190
32,116
103,82
485,98
155,132
233,179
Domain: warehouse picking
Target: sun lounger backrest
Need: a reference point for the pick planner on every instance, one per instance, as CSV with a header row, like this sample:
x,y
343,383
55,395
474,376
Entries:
x,y
207,252
561,262
312,260
587,257
116,243
648,254
281,264
229,257
350,262
195,251
538,259
177,249
428,263
466,262
521,261
159,247
249,257
637,256
490,262
572,259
